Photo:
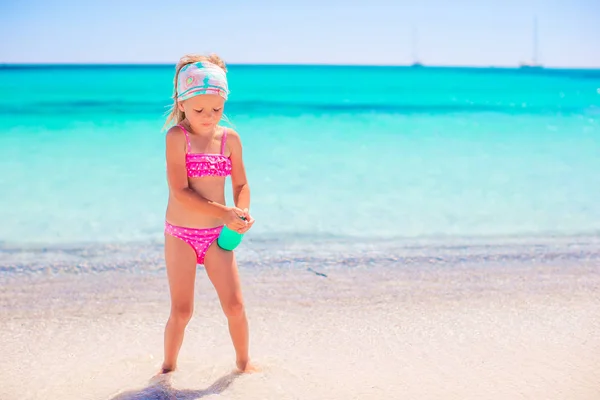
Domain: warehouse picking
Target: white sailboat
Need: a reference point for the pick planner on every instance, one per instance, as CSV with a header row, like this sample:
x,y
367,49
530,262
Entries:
x,y
416,62
534,61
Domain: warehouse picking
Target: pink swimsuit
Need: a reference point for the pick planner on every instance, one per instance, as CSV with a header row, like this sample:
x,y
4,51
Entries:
x,y
199,165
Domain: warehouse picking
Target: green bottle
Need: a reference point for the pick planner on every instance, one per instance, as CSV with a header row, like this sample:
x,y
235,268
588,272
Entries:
x,y
228,239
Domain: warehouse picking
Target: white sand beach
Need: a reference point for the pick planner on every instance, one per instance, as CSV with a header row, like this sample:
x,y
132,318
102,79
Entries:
x,y
478,331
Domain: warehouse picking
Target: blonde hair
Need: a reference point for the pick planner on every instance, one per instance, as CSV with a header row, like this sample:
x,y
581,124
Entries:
x,y
175,115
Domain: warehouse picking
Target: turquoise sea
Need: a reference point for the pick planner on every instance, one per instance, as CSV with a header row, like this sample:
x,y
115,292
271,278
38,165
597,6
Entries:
x,y
342,156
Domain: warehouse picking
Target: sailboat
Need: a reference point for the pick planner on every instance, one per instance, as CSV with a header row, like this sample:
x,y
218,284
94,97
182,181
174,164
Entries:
x,y
416,63
534,64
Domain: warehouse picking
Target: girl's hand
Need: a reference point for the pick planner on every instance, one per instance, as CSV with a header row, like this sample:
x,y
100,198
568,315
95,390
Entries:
x,y
249,222
233,219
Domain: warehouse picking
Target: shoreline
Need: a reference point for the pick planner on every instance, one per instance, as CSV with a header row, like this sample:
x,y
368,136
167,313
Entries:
x,y
262,251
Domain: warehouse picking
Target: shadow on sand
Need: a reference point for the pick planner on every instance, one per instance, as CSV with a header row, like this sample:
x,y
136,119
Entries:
x,y
160,389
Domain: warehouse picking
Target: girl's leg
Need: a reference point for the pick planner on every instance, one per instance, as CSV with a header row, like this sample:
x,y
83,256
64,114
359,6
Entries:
x,y
181,271
223,273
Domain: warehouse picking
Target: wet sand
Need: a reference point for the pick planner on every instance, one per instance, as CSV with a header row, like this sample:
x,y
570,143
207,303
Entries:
x,y
478,331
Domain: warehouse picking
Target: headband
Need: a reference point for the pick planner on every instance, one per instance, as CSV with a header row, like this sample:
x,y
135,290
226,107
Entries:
x,y
201,78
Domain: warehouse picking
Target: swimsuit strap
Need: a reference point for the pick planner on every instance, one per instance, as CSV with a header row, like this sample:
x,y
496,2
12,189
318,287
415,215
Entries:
x,y
223,141
187,139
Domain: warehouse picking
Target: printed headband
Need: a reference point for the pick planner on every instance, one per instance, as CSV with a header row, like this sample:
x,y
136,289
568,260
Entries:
x,y
201,78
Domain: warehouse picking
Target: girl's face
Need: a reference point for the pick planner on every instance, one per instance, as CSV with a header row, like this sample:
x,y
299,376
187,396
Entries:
x,y
203,111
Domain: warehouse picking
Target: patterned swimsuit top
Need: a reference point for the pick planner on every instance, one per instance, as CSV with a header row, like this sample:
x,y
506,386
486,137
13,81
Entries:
x,y
199,165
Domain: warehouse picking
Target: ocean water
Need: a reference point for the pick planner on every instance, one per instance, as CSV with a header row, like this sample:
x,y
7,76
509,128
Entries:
x,y
365,154
436,224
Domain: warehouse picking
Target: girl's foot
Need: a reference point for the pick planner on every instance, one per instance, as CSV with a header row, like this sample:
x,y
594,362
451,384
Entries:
x,y
246,367
165,370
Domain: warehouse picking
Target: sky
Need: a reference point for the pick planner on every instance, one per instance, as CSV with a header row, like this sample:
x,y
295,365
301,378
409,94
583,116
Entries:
x,y
380,32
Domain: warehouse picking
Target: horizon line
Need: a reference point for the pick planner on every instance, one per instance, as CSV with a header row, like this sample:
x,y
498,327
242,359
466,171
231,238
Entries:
x,y
284,64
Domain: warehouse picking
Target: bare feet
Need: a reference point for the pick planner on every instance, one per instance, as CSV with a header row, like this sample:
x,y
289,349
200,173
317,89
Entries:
x,y
164,370
246,367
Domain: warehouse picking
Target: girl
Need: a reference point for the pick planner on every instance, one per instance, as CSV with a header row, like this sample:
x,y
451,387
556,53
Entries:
x,y
200,155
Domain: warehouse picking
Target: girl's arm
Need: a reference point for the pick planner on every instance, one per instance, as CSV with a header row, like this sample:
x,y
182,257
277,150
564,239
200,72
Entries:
x,y
239,182
178,181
